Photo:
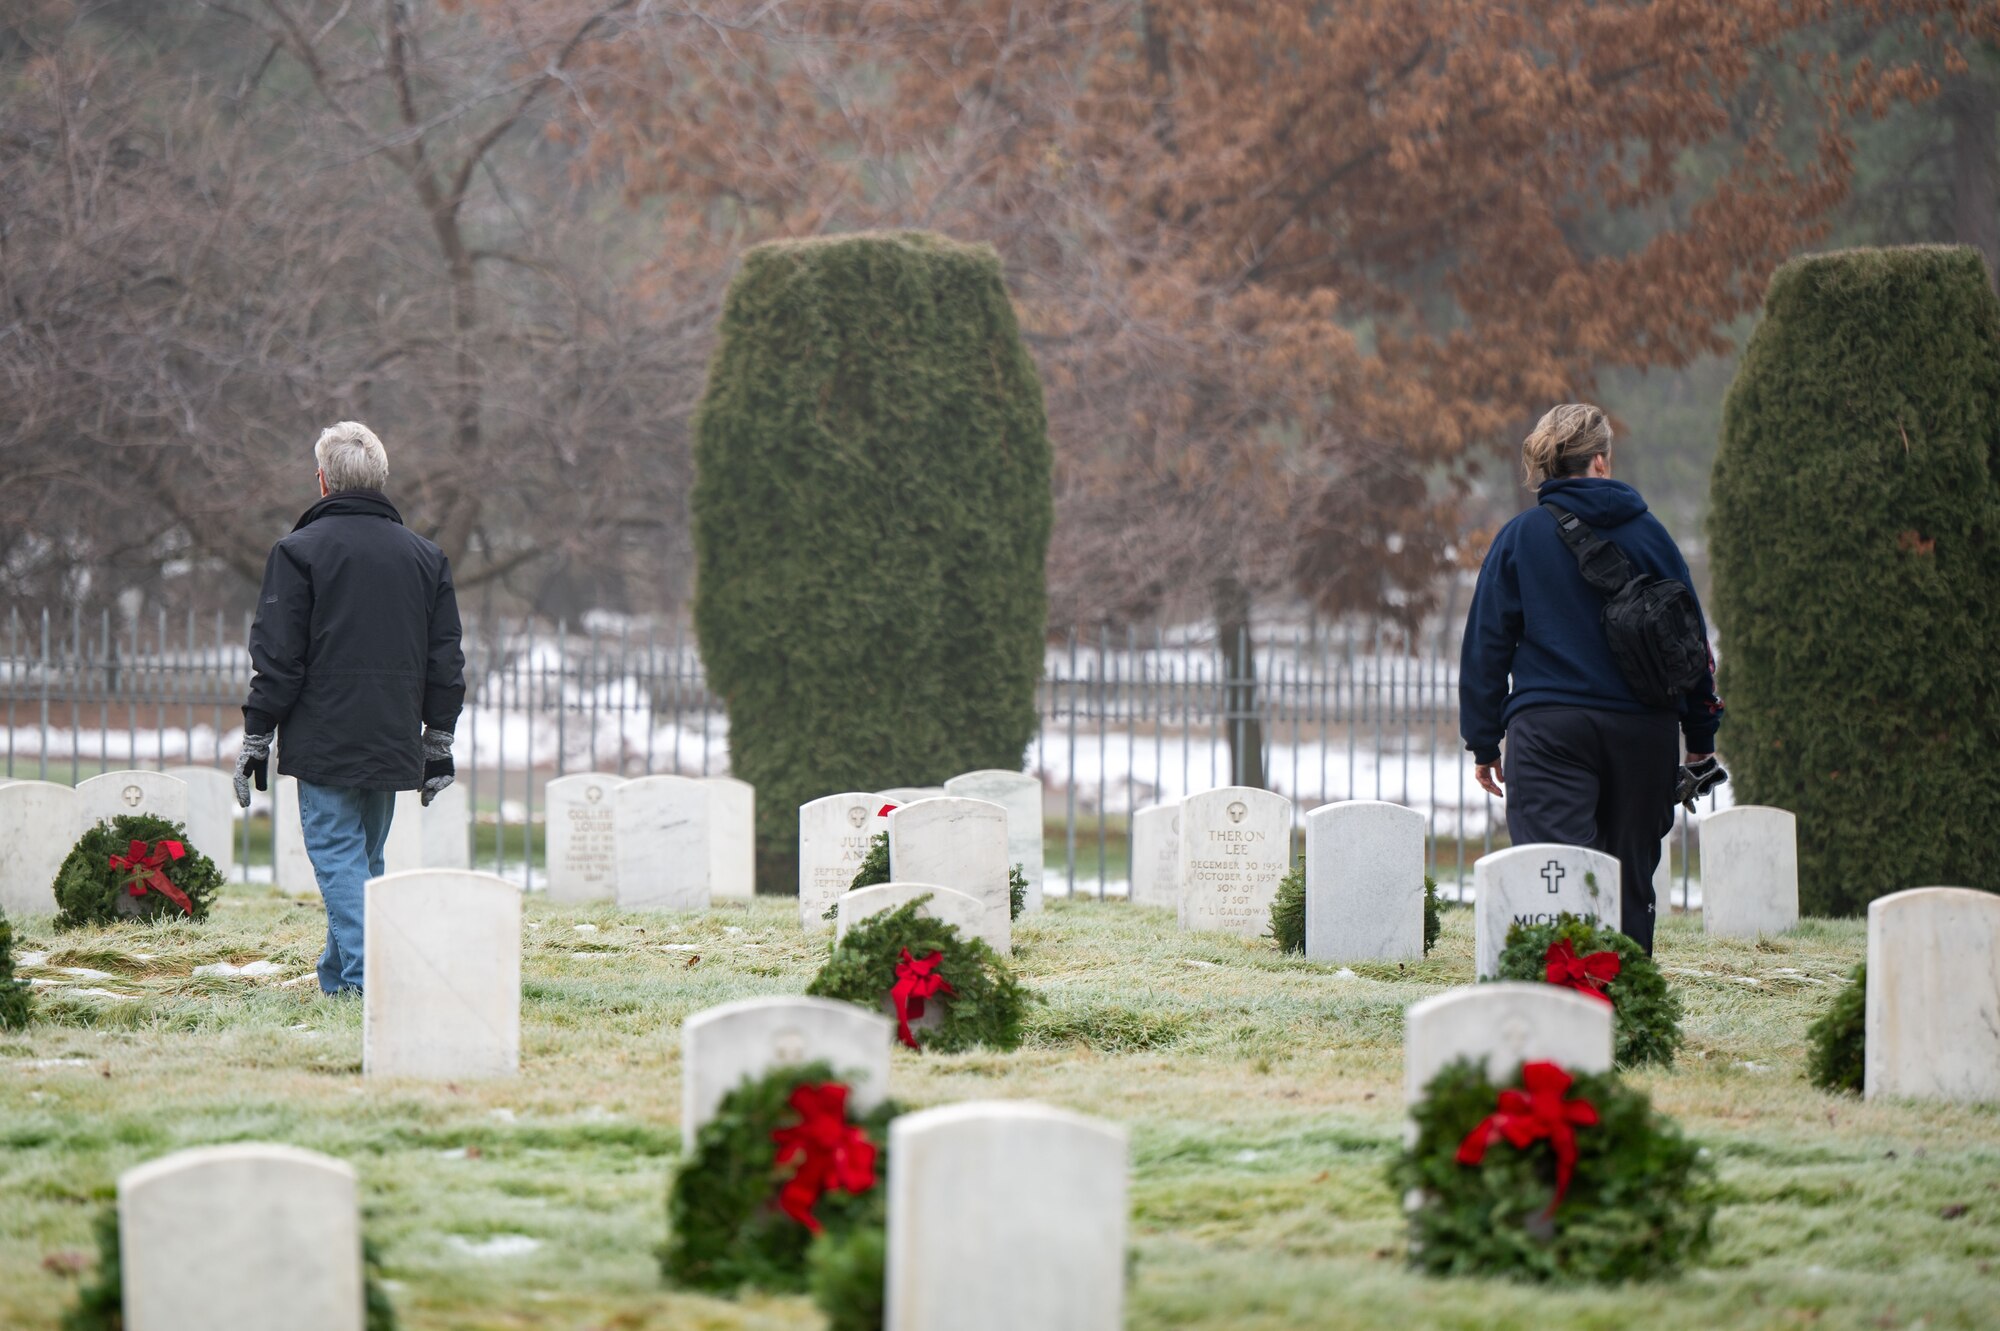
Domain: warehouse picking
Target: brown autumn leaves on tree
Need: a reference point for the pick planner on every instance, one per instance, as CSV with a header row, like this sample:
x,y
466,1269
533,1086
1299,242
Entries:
x,y
1292,272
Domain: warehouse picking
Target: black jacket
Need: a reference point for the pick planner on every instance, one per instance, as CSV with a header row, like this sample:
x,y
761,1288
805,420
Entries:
x,y
355,646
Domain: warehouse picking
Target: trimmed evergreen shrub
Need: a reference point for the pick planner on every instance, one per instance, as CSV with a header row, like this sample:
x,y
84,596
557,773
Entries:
x,y
1855,540
845,1273
1838,1038
16,998
1646,1014
89,891
871,517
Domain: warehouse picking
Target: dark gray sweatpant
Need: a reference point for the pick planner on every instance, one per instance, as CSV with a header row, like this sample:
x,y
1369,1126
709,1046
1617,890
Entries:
x,y
1579,776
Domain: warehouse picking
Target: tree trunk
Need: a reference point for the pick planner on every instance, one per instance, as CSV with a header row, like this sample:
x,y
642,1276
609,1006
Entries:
x,y
1239,691
1972,104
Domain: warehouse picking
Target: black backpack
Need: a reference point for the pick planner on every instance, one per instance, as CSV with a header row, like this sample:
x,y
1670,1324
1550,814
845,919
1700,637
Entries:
x,y
1652,625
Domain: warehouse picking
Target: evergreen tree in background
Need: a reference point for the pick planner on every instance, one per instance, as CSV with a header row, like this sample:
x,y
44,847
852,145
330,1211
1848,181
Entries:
x,y
1855,538
872,514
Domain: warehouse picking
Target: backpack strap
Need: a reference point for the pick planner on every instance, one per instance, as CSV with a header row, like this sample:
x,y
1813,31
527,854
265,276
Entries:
x,y
1602,564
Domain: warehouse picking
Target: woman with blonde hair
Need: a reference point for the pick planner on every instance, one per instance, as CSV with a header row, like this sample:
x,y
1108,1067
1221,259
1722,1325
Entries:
x,y
1592,757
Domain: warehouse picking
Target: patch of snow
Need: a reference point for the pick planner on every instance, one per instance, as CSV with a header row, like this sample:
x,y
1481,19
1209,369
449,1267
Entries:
x,y
39,1063
1198,964
101,993
249,970
86,973
1684,970
1345,974
1749,1066
1746,979
32,959
499,1246
298,980
1245,1157
586,928
679,947
732,928
504,1114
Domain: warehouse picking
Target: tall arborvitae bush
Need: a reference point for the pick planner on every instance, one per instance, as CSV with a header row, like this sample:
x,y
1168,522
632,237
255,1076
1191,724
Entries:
x,y
1855,539
872,514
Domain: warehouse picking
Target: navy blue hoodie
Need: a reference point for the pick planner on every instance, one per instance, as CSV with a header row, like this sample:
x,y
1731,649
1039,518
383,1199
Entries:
x,y
1534,618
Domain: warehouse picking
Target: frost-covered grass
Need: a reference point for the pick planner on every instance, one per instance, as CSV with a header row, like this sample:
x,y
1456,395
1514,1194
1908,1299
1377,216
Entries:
x,y
1262,1093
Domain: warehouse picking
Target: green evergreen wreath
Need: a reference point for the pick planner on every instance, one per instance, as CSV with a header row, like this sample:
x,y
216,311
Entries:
x,y
16,998
1646,1014
1288,912
100,1302
875,869
724,1228
986,1002
1839,1038
845,1273
1640,1203
89,891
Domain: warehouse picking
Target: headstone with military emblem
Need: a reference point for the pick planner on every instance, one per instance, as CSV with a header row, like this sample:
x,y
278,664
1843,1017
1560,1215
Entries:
x,y
116,794
834,832
723,1047
1504,1025
1236,844
582,859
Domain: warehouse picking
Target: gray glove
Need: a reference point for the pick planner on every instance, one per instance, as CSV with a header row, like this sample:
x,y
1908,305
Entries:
x,y
254,760
438,771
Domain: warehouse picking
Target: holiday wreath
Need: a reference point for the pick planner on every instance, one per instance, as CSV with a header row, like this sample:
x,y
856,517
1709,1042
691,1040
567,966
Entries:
x,y
135,866
875,869
1550,1177
16,998
1590,958
1839,1038
783,1164
1288,912
907,963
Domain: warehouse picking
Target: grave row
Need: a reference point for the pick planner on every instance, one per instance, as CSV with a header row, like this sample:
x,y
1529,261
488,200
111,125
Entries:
x,y
41,820
651,842
977,1192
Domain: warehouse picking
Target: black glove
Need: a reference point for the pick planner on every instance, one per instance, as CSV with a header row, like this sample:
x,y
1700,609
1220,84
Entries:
x,y
438,771
1697,780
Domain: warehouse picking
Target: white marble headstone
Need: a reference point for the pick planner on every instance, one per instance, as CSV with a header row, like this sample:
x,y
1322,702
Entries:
x,y
1506,1023
1236,844
115,794
1933,1002
211,813
1663,878
442,995
834,832
242,1237
660,828
911,794
1364,882
1021,796
732,837
1533,884
403,851
955,843
1004,1216
582,858
1749,871
723,1047
39,823
961,912
1156,856
292,867
447,827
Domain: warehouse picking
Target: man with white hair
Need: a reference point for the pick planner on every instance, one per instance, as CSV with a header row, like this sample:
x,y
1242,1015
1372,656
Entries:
x,y
357,666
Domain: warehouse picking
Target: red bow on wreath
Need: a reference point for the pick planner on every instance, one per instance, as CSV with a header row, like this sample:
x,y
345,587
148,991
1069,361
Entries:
x,y
885,811
147,871
915,982
1589,975
832,1153
1528,1115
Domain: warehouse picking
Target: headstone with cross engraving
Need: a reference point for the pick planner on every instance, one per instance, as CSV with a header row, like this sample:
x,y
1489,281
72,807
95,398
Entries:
x,y
582,857
834,832
722,1047
115,794
1156,856
1533,884
1504,1024
1236,844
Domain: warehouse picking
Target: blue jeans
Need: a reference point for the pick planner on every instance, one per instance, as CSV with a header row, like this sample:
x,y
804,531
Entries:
x,y
345,830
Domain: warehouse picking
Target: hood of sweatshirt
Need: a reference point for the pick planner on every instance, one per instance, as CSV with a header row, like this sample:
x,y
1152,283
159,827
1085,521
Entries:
x,y
1598,501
